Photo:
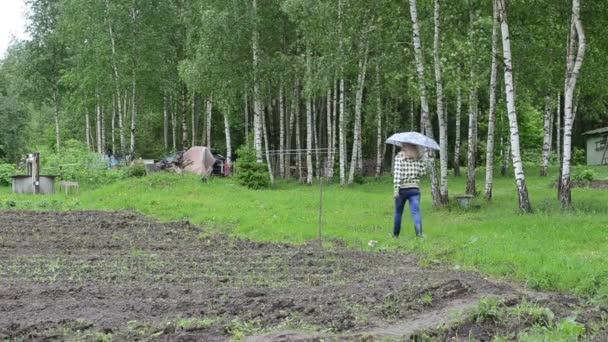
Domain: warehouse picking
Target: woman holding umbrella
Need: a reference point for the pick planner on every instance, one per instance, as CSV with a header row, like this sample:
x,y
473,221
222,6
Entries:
x,y
409,168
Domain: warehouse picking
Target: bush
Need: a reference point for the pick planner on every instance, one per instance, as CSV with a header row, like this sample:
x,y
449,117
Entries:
x,y
249,172
135,170
75,162
6,171
578,156
584,175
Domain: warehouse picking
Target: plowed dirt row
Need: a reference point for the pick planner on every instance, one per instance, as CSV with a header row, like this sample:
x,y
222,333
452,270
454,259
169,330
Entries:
x,y
122,276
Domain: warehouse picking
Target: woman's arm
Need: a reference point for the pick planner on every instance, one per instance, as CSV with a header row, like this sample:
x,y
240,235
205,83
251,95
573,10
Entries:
x,y
397,172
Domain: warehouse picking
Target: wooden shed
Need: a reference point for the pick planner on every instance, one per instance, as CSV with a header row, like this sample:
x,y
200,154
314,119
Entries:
x,y
597,146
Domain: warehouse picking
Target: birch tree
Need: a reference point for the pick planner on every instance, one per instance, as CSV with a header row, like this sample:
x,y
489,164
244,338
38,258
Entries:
x,y
492,109
472,140
520,178
281,132
342,124
457,132
257,105
546,138
424,106
379,140
355,155
576,55
208,123
308,99
441,118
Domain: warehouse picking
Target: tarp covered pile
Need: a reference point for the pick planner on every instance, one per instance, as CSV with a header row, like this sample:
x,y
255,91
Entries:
x,y
198,160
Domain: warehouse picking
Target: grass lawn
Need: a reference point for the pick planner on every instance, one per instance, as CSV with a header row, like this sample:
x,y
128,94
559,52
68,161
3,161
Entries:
x,y
550,249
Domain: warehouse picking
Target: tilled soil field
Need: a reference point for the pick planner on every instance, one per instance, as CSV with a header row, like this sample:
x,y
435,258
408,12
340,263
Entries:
x,y
121,276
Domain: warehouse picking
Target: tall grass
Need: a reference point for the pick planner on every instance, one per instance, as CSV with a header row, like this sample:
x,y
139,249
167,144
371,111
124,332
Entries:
x,y
550,249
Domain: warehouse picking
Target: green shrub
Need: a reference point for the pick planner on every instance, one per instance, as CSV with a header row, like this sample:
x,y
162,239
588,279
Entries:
x,y
578,156
135,170
6,171
249,172
74,162
583,175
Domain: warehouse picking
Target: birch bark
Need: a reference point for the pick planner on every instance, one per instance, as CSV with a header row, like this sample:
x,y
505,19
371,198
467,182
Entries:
x,y
576,55
281,132
424,106
546,139
441,118
520,178
492,110
165,124
457,132
355,156
208,118
257,105
307,97
379,140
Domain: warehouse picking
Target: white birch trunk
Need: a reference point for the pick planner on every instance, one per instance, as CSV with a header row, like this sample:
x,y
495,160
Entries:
x,y
98,125
558,129
184,118
329,136
296,104
424,106
227,134
113,124
291,128
520,178
546,139
246,118
194,120
492,110
103,129
257,105
268,161
342,123
342,132
472,142
208,118
115,75
281,132
457,133
316,128
165,124
307,97
173,123
575,62
355,156
121,128
334,120
441,117
87,129
379,140
133,118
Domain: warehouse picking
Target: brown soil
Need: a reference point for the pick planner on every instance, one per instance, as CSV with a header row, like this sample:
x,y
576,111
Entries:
x,y
91,275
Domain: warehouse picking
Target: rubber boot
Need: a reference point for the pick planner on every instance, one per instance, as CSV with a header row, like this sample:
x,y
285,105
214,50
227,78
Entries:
x,y
418,228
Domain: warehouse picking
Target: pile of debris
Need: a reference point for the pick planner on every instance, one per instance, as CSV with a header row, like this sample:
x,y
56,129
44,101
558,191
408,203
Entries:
x,y
198,160
173,163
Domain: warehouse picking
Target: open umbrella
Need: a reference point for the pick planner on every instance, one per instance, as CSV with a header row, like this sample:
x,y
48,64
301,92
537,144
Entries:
x,y
413,138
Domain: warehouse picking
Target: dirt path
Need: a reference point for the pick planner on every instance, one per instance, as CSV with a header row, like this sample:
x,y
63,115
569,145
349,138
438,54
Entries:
x,y
96,275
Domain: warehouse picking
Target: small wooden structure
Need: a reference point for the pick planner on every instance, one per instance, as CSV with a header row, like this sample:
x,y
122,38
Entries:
x,y
33,182
597,146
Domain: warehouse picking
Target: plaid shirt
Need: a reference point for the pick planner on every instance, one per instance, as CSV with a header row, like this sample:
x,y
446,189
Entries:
x,y
407,172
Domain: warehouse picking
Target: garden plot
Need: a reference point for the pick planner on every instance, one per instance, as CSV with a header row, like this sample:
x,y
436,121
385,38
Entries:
x,y
121,276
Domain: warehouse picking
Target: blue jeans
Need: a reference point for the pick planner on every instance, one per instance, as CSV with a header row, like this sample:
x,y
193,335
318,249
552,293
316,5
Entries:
x,y
413,196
